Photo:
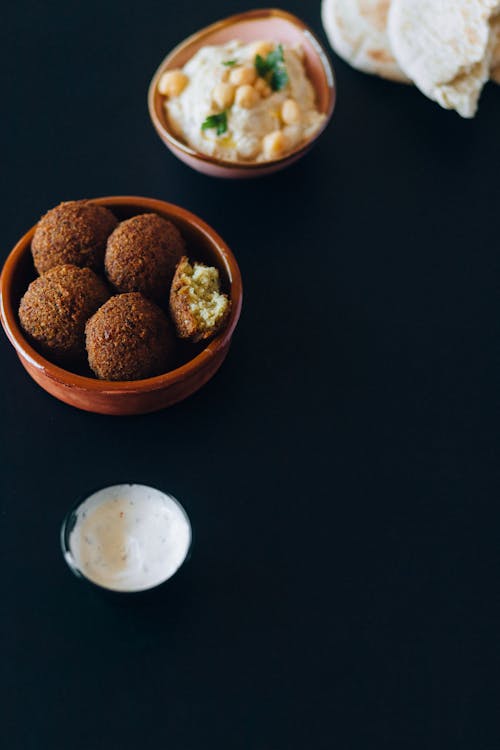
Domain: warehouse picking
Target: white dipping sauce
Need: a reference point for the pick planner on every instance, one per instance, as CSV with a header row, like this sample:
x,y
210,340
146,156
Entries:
x,y
128,538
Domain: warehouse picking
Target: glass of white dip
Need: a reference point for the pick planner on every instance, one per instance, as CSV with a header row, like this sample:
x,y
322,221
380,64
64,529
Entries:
x,y
126,538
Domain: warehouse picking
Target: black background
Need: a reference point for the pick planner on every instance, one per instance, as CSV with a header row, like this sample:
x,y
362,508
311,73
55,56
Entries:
x,y
341,471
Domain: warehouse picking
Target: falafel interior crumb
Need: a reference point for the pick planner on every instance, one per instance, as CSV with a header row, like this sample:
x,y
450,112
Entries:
x,y
206,303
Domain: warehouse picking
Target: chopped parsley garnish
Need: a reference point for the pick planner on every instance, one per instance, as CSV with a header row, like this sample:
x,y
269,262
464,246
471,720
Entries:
x,y
279,79
229,63
272,68
276,56
217,122
261,66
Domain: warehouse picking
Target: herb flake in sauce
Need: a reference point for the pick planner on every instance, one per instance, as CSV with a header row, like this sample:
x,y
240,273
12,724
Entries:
x,y
219,122
272,68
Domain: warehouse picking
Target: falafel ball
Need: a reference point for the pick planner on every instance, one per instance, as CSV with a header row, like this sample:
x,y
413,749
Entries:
x,y
74,232
55,308
197,307
142,254
129,338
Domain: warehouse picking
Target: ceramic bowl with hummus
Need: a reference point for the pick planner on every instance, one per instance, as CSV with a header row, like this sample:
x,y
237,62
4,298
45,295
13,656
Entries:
x,y
245,97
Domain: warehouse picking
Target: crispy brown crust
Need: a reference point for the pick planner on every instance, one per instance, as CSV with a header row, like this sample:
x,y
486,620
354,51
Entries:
x,y
72,233
186,325
55,308
129,338
142,254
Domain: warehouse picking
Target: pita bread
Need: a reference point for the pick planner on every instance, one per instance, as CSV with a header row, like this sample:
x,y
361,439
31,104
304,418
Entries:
x,y
495,64
446,47
357,30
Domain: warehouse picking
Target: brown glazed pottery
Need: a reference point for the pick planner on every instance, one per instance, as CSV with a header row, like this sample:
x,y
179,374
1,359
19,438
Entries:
x,y
140,396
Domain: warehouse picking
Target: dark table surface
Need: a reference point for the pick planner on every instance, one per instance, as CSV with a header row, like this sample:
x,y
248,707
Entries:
x,y
341,471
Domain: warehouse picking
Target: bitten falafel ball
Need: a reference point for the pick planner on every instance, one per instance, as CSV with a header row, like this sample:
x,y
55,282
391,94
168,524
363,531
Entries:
x,y
129,338
55,308
197,307
74,232
142,254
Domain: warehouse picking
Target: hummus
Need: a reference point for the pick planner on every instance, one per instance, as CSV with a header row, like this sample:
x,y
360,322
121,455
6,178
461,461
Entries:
x,y
242,102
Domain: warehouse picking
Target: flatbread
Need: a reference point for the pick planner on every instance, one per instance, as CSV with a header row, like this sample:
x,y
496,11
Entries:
x,y
357,31
495,65
445,47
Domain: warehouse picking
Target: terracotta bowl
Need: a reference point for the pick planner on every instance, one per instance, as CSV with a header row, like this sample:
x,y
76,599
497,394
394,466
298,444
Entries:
x,y
197,363
247,27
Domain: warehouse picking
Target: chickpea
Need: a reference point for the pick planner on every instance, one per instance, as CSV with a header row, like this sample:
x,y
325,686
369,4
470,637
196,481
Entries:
x,y
243,76
172,83
249,147
293,135
290,112
246,97
263,88
274,144
262,48
223,95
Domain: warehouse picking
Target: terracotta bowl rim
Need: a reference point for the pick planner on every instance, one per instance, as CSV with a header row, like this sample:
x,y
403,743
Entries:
x,y
65,377
257,14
